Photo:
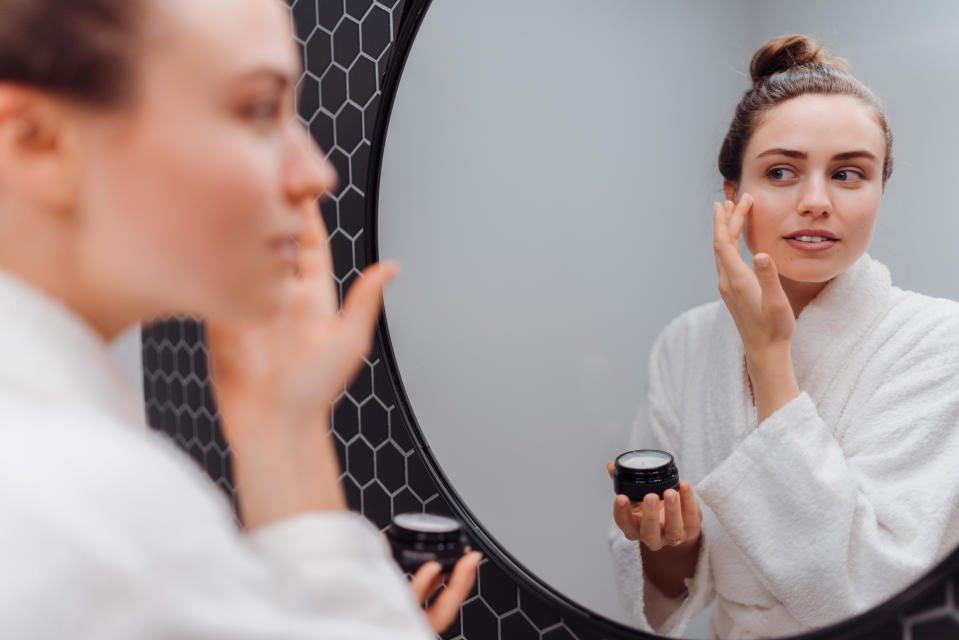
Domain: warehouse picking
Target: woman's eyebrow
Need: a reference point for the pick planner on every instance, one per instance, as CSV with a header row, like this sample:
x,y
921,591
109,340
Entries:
x,y
848,155
779,151
792,153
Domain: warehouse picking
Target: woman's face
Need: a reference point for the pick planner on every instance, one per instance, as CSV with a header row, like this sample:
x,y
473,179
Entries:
x,y
190,196
814,169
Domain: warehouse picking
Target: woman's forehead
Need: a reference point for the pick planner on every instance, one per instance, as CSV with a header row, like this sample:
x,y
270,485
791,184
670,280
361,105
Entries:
x,y
225,36
819,125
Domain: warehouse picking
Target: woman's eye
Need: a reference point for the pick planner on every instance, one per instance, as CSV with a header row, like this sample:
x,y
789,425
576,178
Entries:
x,y
781,173
849,175
263,111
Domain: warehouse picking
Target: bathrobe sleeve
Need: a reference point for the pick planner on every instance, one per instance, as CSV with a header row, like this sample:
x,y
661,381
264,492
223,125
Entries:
x,y
119,536
833,523
658,426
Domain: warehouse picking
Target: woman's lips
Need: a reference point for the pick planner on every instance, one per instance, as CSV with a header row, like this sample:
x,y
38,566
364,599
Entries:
x,y
804,244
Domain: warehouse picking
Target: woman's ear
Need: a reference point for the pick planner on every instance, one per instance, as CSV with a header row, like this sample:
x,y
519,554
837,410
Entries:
x,y
731,190
38,159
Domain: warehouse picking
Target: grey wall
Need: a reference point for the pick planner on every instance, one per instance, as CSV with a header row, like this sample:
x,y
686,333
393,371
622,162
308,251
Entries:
x,y
547,185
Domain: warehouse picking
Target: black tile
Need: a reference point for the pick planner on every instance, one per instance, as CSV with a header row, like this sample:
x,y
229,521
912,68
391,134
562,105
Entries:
x,y
390,467
361,80
370,114
559,633
328,213
151,359
478,621
177,392
322,128
204,428
934,599
341,248
537,610
376,32
304,17
376,505
340,447
360,169
183,361
358,8
309,100
354,496
346,419
199,364
329,13
346,42
362,386
213,464
359,461
436,504
351,205
167,358
400,434
944,628
194,394
374,422
349,128
419,478
406,502
318,52
497,589
332,89
516,627
184,426
341,163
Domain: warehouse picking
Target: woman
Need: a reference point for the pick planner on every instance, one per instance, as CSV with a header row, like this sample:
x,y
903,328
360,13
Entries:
x,y
150,165
815,407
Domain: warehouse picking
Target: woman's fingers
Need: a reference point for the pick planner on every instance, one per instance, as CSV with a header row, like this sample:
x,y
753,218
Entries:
x,y
624,518
445,608
361,308
674,531
774,297
738,216
610,467
650,529
692,516
426,580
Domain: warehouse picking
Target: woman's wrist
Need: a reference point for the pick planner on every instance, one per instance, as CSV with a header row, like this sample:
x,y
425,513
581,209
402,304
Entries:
x,y
283,470
773,380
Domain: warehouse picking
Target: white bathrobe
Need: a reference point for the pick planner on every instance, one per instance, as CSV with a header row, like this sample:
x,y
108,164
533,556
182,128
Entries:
x,y
839,499
108,531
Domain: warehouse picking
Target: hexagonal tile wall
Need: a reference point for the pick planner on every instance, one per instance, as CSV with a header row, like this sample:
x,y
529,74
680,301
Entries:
x,y
346,46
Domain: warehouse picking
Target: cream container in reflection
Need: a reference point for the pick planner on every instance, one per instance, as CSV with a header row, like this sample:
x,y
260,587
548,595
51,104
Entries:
x,y
644,471
418,538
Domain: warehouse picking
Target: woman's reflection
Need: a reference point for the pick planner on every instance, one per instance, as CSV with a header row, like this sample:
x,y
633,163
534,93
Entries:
x,y
815,408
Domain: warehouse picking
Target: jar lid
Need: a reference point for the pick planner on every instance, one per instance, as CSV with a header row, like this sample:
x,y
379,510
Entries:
x,y
425,527
645,465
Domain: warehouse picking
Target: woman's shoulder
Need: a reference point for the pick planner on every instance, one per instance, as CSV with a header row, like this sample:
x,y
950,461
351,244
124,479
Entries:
x,y
919,326
696,325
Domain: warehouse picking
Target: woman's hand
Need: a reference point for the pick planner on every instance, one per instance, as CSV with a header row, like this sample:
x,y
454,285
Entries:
x,y
297,362
275,380
759,306
443,610
755,299
675,521
669,532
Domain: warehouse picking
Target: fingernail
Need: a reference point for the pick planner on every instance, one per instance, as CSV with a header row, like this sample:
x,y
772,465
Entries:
x,y
762,261
621,501
671,498
651,501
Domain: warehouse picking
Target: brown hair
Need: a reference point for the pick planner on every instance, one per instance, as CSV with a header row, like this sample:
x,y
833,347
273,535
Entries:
x,y
76,48
786,68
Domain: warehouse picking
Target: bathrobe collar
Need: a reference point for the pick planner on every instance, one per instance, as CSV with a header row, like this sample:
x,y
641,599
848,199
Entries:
x,y
835,322
50,357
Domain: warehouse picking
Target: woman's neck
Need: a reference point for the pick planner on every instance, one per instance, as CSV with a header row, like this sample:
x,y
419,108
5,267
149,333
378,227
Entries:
x,y
801,293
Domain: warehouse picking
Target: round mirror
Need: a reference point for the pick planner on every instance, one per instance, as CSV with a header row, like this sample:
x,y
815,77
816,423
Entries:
x,y
546,182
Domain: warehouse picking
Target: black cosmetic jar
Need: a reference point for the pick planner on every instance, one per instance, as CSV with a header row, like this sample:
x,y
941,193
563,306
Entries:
x,y
644,471
418,538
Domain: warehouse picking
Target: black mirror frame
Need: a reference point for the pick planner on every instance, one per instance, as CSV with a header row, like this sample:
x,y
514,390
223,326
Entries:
x,y
864,625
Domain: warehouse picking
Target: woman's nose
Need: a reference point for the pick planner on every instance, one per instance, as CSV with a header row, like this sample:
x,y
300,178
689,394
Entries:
x,y
814,199
308,173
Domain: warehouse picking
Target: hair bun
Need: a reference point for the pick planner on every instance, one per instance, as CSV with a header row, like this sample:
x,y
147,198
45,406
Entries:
x,y
786,52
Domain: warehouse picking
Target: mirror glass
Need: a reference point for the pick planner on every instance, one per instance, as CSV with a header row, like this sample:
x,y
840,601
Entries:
x,y
547,186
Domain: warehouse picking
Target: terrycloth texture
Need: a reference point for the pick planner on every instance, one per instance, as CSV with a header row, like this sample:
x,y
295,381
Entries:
x,y
108,531
839,499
